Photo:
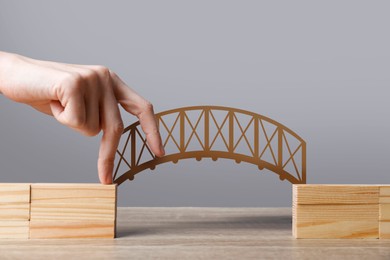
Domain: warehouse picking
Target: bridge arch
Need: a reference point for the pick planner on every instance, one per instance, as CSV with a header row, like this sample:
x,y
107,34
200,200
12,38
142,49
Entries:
x,y
208,126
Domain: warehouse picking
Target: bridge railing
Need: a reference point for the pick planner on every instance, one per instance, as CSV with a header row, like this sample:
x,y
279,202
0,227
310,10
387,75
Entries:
x,y
216,132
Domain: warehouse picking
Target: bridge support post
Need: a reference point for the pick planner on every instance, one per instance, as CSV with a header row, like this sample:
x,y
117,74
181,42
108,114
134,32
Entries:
x,y
256,137
182,131
206,129
280,147
231,132
133,141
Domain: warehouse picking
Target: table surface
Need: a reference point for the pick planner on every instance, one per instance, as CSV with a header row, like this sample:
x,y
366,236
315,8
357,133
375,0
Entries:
x,y
199,233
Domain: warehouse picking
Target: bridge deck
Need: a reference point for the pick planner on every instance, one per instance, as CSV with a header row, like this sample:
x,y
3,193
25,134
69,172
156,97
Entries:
x,y
200,233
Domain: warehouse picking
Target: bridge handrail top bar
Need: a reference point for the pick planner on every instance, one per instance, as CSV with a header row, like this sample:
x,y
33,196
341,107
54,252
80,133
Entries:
x,y
242,111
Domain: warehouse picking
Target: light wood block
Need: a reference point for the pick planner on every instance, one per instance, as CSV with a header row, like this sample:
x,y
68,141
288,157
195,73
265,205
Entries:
x,y
14,229
73,211
73,202
15,211
384,191
384,212
14,201
63,210
384,229
335,194
336,221
384,195
336,211
338,229
75,229
329,213
73,193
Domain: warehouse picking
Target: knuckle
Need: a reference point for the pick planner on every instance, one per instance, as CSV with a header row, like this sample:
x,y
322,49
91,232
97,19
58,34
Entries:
x,y
77,121
76,78
114,129
117,128
102,71
107,162
74,82
92,131
102,75
147,106
113,74
95,131
91,74
74,121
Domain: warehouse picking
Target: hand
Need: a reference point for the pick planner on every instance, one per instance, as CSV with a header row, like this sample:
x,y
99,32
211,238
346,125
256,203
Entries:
x,y
84,98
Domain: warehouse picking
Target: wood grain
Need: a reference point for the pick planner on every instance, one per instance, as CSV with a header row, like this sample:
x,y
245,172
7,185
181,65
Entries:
x,y
337,229
14,201
384,191
323,213
73,202
337,211
336,221
14,192
73,211
14,211
72,229
384,229
73,193
14,229
384,212
335,194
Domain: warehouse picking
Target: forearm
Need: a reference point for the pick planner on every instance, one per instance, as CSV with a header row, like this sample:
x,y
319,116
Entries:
x,y
6,60
3,56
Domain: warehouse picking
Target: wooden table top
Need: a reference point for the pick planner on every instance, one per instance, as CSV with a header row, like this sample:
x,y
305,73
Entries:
x,y
199,233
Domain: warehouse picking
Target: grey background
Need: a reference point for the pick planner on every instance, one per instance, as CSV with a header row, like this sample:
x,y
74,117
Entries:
x,y
320,68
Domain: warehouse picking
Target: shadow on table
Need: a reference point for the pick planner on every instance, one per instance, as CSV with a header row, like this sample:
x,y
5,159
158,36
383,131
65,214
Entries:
x,y
253,223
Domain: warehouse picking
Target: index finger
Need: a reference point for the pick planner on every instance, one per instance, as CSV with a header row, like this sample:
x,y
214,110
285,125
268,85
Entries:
x,y
112,127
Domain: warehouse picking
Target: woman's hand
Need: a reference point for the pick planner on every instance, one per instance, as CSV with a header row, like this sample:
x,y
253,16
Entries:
x,y
84,98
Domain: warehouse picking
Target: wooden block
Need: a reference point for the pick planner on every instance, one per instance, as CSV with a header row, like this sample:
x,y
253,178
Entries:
x,y
384,200
14,229
335,194
384,194
73,193
73,202
331,213
336,221
14,192
338,229
384,191
384,229
73,211
336,211
14,201
384,212
15,211
75,229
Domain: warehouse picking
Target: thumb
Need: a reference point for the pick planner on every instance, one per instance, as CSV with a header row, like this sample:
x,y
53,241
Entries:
x,y
71,114
56,109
